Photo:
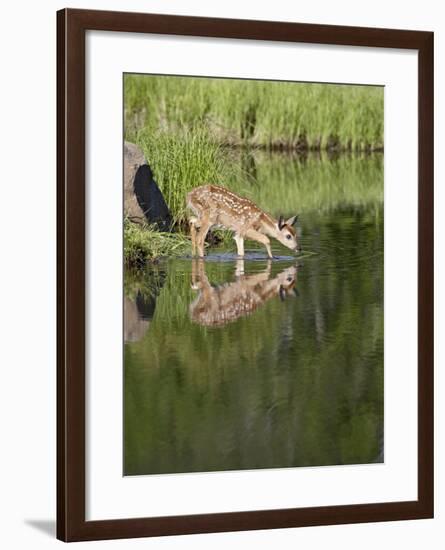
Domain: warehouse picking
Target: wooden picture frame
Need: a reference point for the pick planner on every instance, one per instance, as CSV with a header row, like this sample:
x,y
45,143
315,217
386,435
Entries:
x,y
72,25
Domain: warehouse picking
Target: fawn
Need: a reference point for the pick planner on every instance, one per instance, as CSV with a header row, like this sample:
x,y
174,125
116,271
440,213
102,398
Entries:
x,y
222,304
217,206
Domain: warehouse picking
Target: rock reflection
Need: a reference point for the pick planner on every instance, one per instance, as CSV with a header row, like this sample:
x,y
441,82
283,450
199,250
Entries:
x,y
222,304
140,307
135,324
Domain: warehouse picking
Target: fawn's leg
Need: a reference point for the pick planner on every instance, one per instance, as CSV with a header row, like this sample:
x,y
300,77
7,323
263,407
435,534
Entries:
x,y
202,233
260,238
193,223
239,244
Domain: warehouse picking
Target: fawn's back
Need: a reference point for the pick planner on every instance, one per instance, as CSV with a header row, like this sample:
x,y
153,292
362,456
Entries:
x,y
223,207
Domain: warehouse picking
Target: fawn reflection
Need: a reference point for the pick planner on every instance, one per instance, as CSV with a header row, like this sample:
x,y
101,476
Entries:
x,y
222,304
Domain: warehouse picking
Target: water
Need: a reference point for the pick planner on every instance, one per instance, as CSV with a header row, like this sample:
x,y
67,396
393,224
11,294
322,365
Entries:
x,y
235,365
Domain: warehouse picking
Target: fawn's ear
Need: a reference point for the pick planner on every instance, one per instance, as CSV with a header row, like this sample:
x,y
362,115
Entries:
x,y
293,220
280,222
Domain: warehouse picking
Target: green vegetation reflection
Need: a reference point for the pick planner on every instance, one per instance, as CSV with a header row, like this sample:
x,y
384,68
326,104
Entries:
x,y
298,382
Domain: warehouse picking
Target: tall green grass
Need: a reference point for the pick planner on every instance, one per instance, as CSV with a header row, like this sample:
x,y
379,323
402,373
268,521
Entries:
x,y
257,113
183,162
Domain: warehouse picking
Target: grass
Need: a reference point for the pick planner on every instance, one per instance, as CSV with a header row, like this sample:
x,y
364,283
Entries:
x,y
268,114
142,243
180,163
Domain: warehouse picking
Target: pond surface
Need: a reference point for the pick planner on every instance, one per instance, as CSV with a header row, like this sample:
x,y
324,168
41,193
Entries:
x,y
234,365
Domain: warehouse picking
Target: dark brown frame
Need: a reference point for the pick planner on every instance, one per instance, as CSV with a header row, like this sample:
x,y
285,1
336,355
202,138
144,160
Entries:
x,y
71,27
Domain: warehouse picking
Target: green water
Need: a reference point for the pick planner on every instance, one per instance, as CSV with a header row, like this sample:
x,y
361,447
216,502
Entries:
x,y
238,365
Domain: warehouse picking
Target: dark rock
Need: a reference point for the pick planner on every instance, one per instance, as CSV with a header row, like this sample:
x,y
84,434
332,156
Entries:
x,y
143,200
133,159
150,199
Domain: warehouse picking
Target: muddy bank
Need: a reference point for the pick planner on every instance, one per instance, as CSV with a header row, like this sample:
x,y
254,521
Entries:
x,y
303,147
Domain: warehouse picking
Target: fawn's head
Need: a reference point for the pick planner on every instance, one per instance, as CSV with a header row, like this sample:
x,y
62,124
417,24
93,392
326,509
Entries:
x,y
285,233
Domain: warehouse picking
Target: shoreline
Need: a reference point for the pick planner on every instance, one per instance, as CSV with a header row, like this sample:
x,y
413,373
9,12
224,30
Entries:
x,y
302,148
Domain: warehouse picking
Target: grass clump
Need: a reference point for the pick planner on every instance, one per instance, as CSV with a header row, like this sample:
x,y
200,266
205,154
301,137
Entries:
x,y
144,243
184,162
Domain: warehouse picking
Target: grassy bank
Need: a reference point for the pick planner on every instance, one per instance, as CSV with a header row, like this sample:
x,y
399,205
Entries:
x,y
180,163
275,115
142,244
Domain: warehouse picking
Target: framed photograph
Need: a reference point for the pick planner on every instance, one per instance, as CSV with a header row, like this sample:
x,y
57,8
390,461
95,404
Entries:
x,y
245,275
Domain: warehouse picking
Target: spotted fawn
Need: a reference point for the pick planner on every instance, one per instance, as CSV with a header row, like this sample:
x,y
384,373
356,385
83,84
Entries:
x,y
215,206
